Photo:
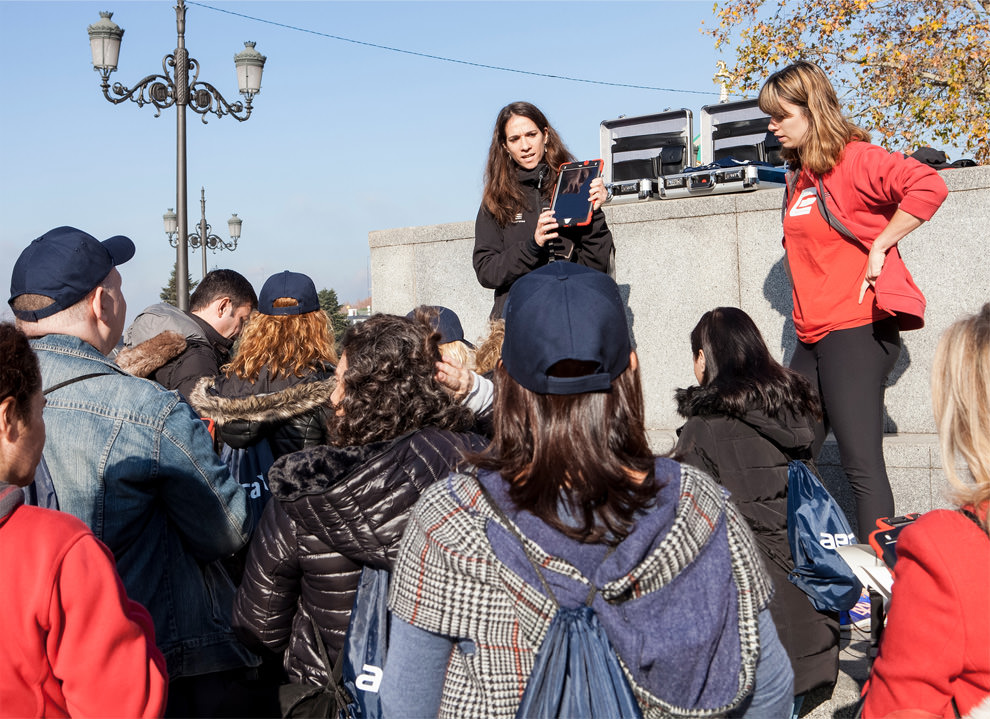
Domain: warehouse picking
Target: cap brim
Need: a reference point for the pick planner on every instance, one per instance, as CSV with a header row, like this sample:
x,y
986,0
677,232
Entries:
x,y
121,249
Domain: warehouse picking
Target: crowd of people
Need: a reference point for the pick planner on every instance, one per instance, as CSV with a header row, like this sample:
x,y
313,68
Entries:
x,y
496,484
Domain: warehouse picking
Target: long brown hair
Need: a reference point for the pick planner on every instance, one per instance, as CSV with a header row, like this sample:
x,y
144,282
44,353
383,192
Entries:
x,y
389,383
961,403
806,85
503,196
582,449
285,344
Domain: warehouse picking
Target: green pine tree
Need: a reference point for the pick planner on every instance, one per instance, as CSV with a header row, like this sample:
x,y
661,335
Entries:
x,y
330,305
169,292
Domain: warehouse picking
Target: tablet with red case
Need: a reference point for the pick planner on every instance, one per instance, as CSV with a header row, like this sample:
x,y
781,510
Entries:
x,y
571,196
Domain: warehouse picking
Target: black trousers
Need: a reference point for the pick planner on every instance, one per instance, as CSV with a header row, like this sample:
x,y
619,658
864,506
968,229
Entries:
x,y
849,368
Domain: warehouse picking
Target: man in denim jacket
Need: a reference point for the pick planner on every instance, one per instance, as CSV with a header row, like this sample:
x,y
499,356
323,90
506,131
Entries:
x,y
134,462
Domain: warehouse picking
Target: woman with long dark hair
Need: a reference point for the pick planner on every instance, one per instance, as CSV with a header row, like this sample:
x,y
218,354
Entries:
x,y
336,509
570,482
747,417
847,206
516,231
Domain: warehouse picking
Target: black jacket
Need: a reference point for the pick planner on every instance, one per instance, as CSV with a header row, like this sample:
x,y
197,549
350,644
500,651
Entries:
x,y
504,254
748,455
173,348
334,510
290,412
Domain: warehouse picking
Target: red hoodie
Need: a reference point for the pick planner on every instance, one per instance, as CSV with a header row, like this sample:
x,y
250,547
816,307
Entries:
x,y
71,642
857,198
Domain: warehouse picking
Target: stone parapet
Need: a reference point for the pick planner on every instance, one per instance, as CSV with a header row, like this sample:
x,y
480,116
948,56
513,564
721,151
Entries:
x,y
676,259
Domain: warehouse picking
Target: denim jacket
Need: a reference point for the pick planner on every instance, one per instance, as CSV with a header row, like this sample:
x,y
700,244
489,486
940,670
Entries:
x,y
135,463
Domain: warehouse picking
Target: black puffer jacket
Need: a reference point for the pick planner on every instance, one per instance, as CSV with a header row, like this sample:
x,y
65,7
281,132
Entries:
x,y
504,254
290,412
334,510
748,456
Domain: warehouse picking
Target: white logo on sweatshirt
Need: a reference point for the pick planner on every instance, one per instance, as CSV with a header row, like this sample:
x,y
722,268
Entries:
x,y
804,202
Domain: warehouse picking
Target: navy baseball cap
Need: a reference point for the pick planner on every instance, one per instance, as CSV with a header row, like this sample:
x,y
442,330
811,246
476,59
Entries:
x,y
64,264
565,311
446,322
288,284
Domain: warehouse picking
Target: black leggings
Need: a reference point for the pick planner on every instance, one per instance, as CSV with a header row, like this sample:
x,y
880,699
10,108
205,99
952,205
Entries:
x,y
849,368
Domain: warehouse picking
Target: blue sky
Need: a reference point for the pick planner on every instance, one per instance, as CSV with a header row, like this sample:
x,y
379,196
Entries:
x,y
344,139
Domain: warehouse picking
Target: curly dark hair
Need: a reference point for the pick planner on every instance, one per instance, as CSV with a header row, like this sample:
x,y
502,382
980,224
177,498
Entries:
x,y
20,376
389,383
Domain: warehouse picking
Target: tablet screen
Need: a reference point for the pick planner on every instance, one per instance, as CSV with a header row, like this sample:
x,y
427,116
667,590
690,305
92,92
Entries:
x,y
571,204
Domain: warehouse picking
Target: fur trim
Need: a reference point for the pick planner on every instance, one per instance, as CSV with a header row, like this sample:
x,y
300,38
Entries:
x,y
317,469
701,401
143,359
271,407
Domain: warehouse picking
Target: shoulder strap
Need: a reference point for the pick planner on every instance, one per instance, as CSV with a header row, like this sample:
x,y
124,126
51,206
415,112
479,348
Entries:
x,y
829,217
80,378
512,527
972,515
536,567
338,666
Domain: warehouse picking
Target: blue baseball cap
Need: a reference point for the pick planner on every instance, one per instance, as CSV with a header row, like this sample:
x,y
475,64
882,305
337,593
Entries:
x,y
288,284
64,264
444,321
565,311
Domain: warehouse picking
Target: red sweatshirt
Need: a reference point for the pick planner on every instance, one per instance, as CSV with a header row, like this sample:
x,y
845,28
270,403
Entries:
x,y
936,645
861,194
71,642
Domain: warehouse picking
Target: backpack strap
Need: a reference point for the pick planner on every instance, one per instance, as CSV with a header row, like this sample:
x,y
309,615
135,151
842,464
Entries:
x,y
536,567
80,378
972,515
337,673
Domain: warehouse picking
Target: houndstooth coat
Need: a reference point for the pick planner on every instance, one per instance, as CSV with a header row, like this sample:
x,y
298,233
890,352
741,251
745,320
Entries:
x,y
679,598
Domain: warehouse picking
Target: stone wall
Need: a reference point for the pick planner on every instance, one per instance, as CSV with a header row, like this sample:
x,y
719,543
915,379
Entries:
x,y
676,259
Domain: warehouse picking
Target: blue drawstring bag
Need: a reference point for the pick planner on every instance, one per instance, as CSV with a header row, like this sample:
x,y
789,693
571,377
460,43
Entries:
x,y
816,527
250,465
576,674
366,645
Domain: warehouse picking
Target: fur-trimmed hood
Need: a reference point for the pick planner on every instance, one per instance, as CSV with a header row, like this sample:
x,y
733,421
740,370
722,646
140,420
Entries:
x,y
143,359
278,406
787,431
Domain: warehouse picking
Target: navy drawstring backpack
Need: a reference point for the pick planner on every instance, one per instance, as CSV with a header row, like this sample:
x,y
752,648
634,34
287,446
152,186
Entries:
x,y
576,673
816,527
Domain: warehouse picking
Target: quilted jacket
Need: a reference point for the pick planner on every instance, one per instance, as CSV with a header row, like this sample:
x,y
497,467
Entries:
x,y
336,509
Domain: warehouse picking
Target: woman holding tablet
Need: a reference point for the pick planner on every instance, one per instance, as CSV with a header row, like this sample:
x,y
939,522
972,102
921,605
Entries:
x,y
516,232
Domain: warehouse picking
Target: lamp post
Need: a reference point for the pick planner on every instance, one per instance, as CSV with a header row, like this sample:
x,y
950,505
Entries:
x,y
183,89
196,239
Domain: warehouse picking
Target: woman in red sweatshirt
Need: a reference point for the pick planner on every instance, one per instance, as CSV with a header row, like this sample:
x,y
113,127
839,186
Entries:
x,y
848,204
935,653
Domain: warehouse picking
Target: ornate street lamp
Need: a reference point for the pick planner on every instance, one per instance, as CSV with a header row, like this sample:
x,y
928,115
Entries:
x,y
212,242
182,89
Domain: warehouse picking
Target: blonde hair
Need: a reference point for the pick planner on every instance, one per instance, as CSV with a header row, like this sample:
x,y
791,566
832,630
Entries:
x,y
459,351
961,403
806,85
286,344
489,352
